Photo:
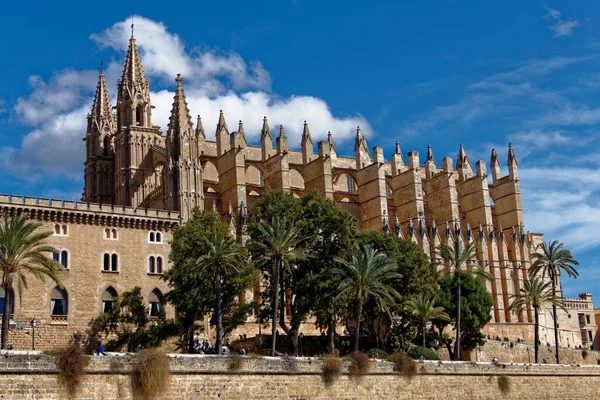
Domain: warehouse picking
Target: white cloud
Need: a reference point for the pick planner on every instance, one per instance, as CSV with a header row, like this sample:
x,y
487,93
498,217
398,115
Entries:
x,y
564,28
552,13
164,56
560,27
213,81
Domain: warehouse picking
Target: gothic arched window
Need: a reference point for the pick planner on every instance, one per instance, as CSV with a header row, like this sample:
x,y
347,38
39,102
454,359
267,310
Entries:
x,y
154,303
108,299
58,302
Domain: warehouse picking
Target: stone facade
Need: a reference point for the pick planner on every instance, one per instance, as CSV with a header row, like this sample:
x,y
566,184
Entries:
x,y
203,377
133,172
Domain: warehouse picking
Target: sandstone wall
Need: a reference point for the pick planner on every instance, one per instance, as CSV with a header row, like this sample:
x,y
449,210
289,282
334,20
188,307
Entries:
x,y
33,376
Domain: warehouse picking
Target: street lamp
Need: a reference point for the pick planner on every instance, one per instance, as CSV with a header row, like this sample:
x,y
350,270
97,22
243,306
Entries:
x,y
33,325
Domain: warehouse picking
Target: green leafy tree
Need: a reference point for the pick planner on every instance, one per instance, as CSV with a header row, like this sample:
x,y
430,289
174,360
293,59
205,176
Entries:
x,y
422,310
537,294
192,293
387,323
475,307
309,286
129,326
365,274
277,243
458,257
23,252
224,256
552,260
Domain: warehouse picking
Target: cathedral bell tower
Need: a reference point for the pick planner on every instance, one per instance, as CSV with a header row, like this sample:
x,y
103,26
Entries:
x,y
137,172
183,175
99,140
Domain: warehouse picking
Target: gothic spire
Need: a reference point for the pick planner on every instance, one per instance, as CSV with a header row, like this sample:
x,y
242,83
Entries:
x,y
282,145
241,127
511,155
330,141
360,140
265,131
101,109
200,128
180,120
430,154
461,158
398,151
306,133
133,73
221,123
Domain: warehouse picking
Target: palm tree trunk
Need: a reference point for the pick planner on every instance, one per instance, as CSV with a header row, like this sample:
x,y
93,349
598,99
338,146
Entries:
x,y
457,352
358,314
218,310
331,332
423,328
555,317
536,334
190,338
275,306
6,312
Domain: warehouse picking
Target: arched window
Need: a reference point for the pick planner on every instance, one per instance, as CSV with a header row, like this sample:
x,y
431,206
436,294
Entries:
x,y
152,266
105,149
3,299
152,237
55,256
114,262
114,233
158,237
139,115
57,229
154,304
159,265
107,233
106,262
108,299
58,302
64,259
64,230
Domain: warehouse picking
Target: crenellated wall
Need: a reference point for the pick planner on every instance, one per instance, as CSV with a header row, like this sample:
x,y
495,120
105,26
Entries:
x,y
207,377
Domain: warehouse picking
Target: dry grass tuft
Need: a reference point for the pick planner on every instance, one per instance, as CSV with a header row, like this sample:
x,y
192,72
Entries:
x,y
360,364
504,385
584,354
71,363
331,370
404,364
235,364
150,374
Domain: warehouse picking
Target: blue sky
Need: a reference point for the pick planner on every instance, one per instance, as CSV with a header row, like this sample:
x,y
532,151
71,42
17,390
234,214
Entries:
x,y
440,72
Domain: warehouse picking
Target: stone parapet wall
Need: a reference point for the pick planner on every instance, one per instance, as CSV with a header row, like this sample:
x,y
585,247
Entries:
x,y
34,376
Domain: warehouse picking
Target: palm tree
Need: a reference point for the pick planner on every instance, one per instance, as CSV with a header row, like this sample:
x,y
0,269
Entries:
x,y
551,260
537,293
365,274
458,257
23,251
422,310
279,243
223,255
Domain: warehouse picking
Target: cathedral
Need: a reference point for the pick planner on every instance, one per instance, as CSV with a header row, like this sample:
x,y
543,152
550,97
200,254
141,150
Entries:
x,y
140,185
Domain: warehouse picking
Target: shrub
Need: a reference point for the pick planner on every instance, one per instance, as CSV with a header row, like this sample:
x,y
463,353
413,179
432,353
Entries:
x,y
404,364
331,369
235,364
504,384
150,374
423,353
71,363
382,354
116,366
360,364
584,354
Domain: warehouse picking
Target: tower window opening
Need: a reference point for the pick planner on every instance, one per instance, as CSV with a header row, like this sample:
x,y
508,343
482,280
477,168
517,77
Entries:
x,y
105,147
138,115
